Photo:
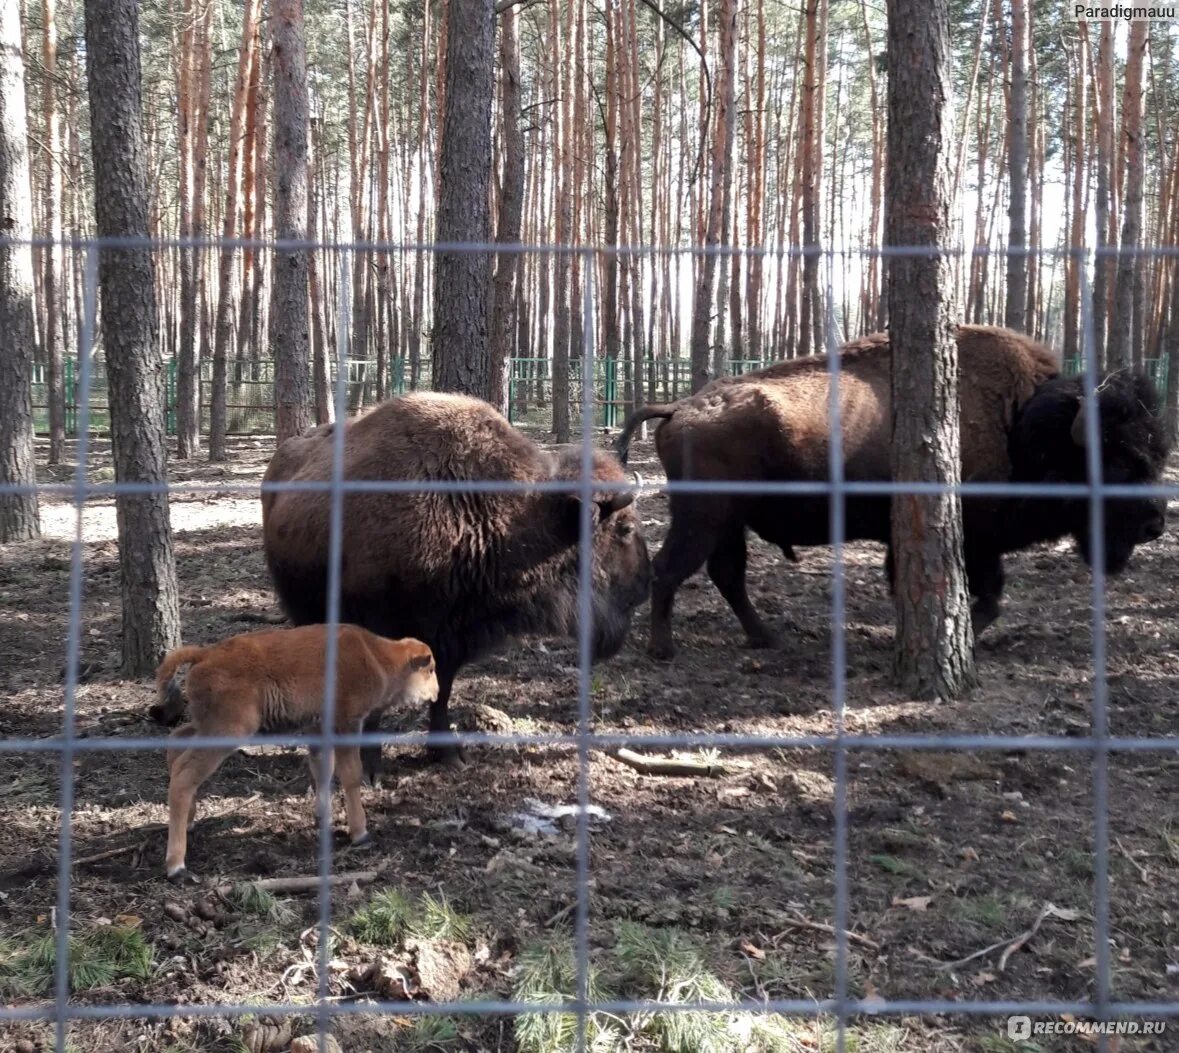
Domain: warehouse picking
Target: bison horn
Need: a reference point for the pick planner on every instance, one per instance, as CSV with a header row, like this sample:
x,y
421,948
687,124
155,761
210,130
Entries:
x,y
1077,432
638,482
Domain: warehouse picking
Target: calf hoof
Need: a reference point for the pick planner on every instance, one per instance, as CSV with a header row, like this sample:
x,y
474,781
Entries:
x,y
364,841
182,876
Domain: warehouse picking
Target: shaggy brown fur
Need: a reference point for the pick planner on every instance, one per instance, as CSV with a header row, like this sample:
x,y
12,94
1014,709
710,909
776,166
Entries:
x,y
460,570
273,681
1016,424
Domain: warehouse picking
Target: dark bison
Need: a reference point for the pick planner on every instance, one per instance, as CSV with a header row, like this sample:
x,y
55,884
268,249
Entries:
x,y
1020,421
458,570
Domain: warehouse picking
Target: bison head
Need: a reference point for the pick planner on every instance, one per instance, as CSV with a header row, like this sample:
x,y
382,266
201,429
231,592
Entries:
x,y
621,565
1048,444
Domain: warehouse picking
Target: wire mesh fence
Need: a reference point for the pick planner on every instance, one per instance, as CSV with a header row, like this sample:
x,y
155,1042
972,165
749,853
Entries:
x,y
599,399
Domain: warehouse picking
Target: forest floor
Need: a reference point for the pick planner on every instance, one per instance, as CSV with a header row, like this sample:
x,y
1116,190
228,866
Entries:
x,y
712,887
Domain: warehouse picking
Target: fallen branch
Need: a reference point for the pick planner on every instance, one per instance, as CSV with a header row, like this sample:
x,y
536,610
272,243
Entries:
x,y
817,926
1142,871
112,853
1049,910
311,882
666,765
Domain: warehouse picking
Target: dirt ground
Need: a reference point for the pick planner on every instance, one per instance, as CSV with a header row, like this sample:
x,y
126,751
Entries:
x,y
949,853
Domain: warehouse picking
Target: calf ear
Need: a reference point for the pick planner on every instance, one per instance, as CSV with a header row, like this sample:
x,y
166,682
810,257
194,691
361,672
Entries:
x,y
421,661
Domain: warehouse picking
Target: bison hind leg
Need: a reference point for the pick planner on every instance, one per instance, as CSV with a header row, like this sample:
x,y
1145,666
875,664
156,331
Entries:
x,y
726,568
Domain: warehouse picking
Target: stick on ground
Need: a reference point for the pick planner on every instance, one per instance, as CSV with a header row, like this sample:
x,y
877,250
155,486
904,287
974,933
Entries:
x,y
673,766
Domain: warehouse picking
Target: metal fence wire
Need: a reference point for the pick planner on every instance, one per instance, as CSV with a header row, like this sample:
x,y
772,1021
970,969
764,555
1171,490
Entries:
x,y
1099,743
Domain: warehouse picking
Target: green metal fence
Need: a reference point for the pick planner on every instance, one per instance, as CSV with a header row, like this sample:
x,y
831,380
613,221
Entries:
x,y
1156,369
250,390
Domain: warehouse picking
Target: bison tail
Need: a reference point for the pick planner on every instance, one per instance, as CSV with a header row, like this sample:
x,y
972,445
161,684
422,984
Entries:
x,y
655,409
170,707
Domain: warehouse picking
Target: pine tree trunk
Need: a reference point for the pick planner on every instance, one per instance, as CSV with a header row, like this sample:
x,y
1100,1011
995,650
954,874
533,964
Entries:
x,y
19,520
1121,326
151,613
511,211
462,360
1015,310
52,254
934,645
720,176
223,328
294,406
1103,270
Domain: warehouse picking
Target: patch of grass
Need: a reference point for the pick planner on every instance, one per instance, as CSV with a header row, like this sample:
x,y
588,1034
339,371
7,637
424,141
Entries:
x,y
392,916
547,974
1077,864
257,902
1170,842
98,956
723,897
892,865
989,913
432,1032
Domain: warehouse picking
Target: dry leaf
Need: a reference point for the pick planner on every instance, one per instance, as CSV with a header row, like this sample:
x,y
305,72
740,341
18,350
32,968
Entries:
x,y
1062,913
969,854
1009,816
919,904
128,921
979,979
754,952
1088,963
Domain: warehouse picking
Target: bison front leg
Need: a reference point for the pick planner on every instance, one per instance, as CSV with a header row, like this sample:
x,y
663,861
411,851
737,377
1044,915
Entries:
x,y
726,568
984,574
444,753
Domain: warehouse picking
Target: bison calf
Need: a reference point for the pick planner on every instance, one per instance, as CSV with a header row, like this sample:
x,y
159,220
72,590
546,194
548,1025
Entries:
x,y
274,681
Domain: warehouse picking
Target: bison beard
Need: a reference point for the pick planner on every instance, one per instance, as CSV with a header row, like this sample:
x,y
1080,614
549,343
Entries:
x,y
462,571
1019,422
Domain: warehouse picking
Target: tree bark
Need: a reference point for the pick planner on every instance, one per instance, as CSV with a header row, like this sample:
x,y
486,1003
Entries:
x,y
511,211
1121,324
934,645
294,406
1103,270
721,173
19,519
224,324
151,613
1015,310
462,360
52,195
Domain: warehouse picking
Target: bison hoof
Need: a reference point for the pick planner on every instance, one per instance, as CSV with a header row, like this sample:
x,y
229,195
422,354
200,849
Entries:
x,y
448,756
661,651
760,641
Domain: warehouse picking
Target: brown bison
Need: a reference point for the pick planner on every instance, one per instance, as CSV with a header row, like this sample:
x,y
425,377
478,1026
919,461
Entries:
x,y
1020,421
459,570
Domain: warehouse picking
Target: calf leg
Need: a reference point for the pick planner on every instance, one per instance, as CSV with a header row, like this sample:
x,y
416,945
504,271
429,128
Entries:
x,y
726,568
984,574
348,768
692,539
314,765
189,769
174,753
